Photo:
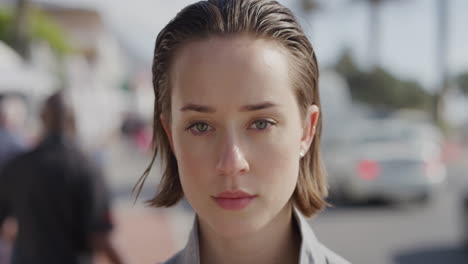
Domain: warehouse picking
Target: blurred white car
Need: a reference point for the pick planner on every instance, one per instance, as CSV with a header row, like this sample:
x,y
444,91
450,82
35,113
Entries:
x,y
386,159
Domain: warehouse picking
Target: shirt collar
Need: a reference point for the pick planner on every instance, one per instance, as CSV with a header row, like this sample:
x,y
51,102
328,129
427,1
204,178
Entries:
x,y
191,252
311,249
310,253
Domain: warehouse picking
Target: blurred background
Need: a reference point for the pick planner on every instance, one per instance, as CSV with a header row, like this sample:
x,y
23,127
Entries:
x,y
394,88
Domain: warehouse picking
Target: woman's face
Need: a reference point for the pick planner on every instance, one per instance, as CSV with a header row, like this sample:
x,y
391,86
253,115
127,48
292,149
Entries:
x,y
236,131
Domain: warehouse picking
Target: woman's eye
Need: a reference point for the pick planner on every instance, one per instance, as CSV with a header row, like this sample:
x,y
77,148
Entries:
x,y
199,128
262,124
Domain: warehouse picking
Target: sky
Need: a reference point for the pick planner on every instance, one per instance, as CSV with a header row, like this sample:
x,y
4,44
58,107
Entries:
x,y
408,31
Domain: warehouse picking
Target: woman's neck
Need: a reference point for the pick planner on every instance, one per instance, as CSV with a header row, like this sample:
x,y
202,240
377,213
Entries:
x,y
278,242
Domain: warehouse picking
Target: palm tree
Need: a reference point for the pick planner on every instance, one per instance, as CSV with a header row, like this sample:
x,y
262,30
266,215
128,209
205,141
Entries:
x,y
442,44
20,28
374,32
310,7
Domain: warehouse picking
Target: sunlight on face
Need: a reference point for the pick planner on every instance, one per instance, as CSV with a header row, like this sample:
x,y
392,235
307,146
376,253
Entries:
x,y
236,131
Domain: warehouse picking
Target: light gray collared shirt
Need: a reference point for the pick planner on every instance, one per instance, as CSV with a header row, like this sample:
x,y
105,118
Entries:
x,y
311,252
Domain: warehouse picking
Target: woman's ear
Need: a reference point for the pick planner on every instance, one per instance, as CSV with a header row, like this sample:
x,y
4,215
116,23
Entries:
x,y
167,128
308,128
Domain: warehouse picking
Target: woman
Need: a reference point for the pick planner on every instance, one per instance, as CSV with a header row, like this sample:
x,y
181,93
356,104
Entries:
x,y
237,126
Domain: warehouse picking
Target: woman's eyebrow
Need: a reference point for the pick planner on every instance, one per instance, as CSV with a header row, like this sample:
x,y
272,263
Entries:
x,y
245,108
259,106
198,108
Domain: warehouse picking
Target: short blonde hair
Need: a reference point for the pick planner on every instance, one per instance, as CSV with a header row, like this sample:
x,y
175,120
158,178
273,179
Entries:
x,y
264,19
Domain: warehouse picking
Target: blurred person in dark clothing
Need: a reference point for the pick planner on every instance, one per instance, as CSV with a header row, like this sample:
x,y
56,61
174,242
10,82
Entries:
x,y
10,145
57,196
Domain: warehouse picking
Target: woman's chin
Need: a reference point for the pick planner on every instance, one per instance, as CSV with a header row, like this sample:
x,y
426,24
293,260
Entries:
x,y
236,226
233,230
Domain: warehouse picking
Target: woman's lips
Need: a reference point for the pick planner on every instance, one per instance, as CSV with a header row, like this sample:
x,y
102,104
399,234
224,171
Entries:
x,y
233,200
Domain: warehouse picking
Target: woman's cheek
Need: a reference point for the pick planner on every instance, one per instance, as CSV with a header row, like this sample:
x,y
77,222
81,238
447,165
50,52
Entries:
x,y
193,155
279,156
276,145
188,145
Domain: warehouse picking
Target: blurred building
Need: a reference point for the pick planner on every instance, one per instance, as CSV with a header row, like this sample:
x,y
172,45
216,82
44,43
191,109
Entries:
x,y
84,27
94,72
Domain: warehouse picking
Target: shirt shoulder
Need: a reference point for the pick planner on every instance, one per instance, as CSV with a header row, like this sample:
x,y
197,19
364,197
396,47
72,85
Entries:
x,y
190,253
332,257
312,250
175,259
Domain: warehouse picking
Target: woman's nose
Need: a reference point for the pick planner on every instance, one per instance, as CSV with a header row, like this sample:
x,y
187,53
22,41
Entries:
x,y
232,160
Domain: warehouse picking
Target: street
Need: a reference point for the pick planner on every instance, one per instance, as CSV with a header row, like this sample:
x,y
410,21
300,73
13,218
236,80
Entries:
x,y
387,234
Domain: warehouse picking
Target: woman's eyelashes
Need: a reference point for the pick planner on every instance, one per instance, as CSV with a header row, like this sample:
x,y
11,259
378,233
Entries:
x,y
262,124
200,128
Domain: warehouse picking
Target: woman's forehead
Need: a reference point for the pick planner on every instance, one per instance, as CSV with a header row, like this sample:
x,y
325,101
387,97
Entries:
x,y
230,69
